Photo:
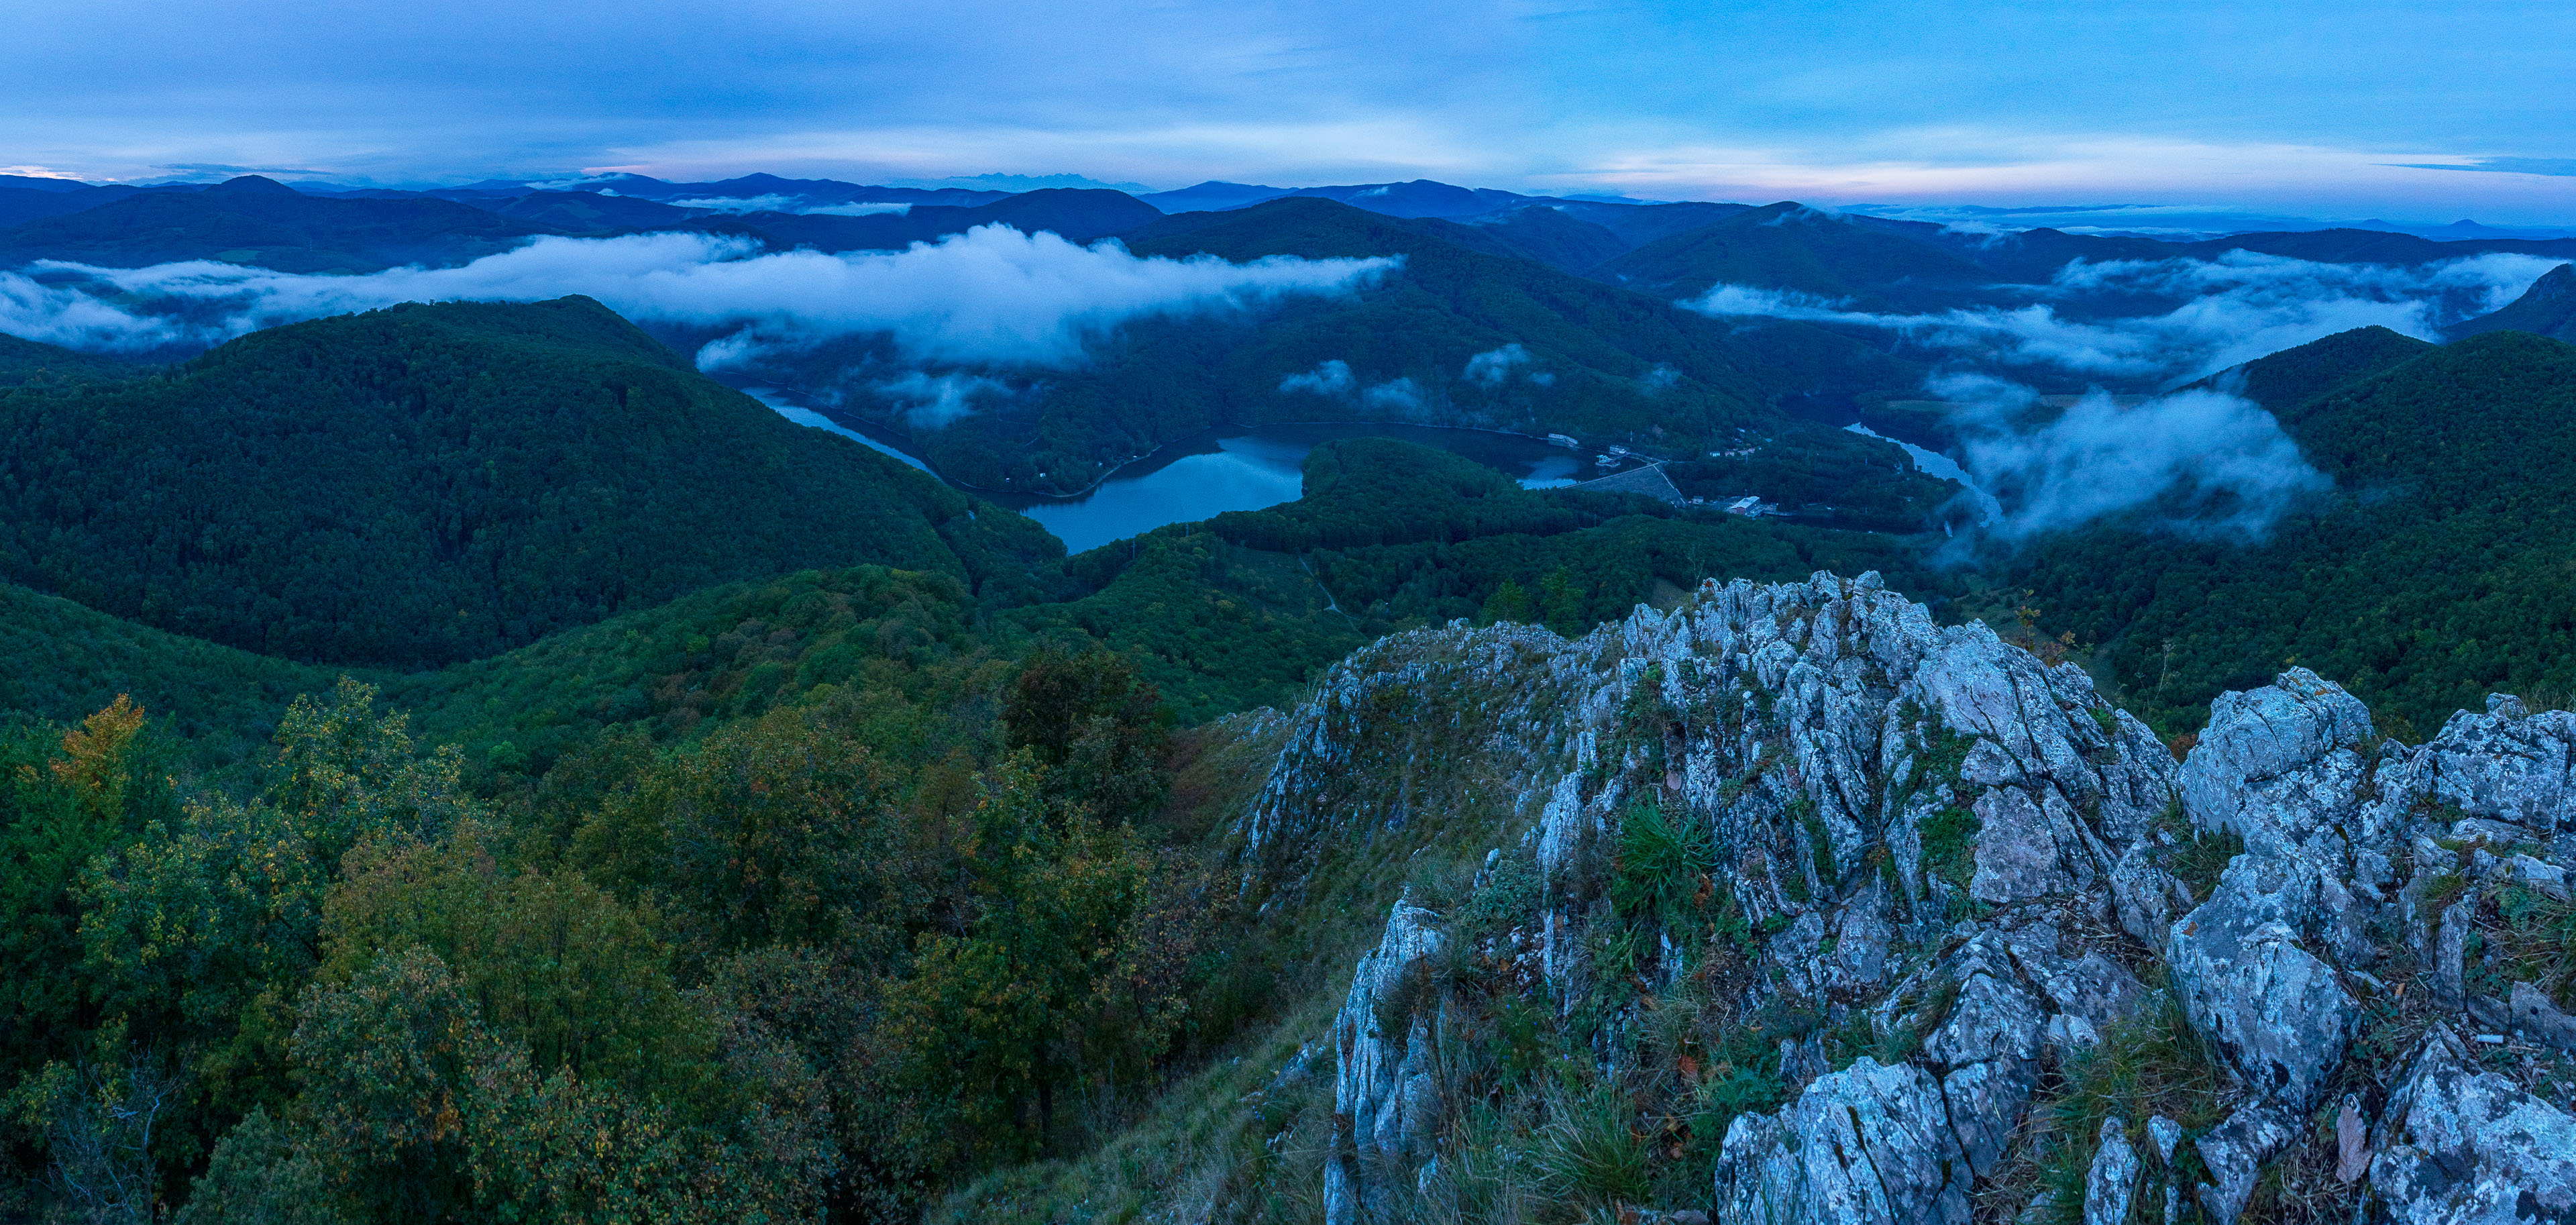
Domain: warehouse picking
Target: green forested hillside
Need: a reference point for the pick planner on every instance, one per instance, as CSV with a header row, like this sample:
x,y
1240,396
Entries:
x,y
1790,246
822,949
60,661
2439,571
2285,380
26,363
429,483
1079,214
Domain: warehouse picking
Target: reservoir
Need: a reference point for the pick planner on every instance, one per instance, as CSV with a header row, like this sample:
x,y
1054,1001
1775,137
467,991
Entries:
x,y
1208,474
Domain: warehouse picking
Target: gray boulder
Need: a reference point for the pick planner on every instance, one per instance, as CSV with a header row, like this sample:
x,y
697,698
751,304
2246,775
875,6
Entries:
x,y
2460,1145
1863,1146
2112,1184
2277,1011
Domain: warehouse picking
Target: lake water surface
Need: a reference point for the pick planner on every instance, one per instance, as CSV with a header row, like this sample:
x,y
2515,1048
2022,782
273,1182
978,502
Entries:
x,y
1209,474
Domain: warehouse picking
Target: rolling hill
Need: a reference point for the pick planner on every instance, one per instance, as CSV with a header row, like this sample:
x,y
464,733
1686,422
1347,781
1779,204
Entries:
x,y
1788,246
1080,214
28,363
423,484
2548,308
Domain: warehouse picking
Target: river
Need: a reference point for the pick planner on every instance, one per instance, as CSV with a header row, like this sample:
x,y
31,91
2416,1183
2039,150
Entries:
x,y
1934,463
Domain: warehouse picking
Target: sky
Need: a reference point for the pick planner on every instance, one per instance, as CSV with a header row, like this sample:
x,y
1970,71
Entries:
x,y
2409,111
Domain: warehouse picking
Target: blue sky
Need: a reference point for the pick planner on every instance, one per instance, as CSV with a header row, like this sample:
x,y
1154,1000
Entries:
x,y
2324,108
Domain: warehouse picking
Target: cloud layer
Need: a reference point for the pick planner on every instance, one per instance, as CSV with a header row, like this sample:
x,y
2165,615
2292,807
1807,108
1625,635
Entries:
x,y
2202,461
992,295
2237,308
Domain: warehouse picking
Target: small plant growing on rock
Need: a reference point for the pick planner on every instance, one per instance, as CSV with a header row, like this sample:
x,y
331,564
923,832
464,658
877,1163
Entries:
x,y
1588,1151
2153,1064
1663,868
1950,846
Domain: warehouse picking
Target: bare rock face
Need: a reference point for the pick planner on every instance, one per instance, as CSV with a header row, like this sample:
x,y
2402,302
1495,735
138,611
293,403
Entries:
x,y
1926,837
1865,1144
2462,1145
2267,968
1383,1088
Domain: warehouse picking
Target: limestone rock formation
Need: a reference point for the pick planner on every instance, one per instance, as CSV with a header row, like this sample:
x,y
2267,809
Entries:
x,y
1960,874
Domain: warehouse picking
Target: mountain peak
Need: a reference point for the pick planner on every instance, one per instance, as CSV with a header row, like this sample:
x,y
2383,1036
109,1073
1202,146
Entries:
x,y
253,185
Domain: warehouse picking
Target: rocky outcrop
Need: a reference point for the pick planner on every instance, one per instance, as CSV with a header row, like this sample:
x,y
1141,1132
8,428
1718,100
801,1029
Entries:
x,y
2461,1144
1864,1144
1963,869
1385,1098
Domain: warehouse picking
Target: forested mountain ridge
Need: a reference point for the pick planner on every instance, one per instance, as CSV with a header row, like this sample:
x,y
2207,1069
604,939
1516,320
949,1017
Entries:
x,y
429,483
28,363
2283,381
2435,571
1790,246
2548,309
1079,214
255,220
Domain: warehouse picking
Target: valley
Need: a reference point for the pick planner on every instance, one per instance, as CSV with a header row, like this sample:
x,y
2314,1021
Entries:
x,y
769,698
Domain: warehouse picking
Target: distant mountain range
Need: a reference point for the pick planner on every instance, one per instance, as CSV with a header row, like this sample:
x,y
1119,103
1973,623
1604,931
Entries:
x,y
1587,290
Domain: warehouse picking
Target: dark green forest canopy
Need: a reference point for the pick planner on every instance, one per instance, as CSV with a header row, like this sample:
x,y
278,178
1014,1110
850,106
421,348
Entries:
x,y
2438,571
429,483
27,363
60,661
705,969
1790,246
2286,380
